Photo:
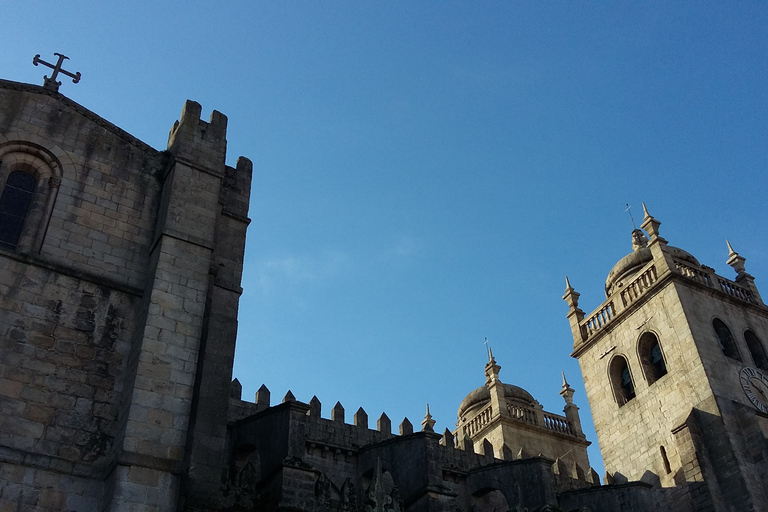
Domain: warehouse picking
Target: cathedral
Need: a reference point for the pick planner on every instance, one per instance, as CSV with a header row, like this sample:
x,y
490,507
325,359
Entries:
x,y
120,279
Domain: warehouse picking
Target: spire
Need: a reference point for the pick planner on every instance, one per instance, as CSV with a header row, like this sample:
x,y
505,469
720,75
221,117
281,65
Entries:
x,y
567,391
735,261
428,423
571,296
575,315
491,369
651,225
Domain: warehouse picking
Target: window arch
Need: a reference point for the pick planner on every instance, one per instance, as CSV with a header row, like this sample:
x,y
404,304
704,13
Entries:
x,y
757,350
651,357
621,380
15,200
30,176
725,339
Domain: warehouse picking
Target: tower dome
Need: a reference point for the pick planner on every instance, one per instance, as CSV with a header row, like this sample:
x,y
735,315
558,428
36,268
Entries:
x,y
480,397
628,266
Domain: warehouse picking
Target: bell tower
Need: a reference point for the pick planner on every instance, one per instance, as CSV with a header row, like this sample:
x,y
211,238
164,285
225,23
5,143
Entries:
x,y
674,364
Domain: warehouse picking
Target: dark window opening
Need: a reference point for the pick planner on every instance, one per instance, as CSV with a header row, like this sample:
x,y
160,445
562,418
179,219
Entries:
x,y
725,338
14,205
757,350
651,357
621,379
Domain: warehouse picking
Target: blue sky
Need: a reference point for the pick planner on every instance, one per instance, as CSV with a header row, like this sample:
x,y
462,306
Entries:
x,y
427,173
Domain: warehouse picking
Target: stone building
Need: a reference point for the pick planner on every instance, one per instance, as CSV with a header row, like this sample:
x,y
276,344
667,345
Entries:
x,y
120,270
675,367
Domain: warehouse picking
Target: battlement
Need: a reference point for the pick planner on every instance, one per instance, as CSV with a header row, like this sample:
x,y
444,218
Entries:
x,y
193,140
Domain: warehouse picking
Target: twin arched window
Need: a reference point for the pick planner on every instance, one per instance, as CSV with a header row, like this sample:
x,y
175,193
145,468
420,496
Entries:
x,y
15,200
725,339
652,360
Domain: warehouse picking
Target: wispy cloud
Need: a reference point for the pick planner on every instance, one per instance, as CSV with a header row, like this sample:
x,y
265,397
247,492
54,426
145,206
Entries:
x,y
401,248
290,270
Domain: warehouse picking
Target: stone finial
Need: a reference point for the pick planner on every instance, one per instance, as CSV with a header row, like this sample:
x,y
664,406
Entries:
x,y
608,478
735,261
639,240
289,397
523,454
571,297
448,439
427,424
506,452
337,413
406,427
315,407
575,315
567,391
262,396
487,448
651,225
384,424
491,369
361,418
235,389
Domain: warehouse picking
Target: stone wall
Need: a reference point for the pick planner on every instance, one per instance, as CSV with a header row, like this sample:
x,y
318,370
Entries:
x,y
127,271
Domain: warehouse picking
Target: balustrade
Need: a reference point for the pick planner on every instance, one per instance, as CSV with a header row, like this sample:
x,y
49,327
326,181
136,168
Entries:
x,y
478,422
558,424
737,291
523,414
637,288
694,274
598,320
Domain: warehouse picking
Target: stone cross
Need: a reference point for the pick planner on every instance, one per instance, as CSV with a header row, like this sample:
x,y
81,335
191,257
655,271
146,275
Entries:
x,y
51,83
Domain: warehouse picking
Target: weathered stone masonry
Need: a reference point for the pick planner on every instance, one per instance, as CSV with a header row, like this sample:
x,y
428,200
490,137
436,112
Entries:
x,y
127,271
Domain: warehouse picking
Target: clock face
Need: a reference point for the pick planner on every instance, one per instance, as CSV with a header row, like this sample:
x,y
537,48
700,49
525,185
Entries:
x,y
755,384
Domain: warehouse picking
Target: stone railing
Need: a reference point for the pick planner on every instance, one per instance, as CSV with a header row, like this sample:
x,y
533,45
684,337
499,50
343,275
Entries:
x,y
599,318
524,414
694,274
638,286
558,423
735,290
477,423
709,278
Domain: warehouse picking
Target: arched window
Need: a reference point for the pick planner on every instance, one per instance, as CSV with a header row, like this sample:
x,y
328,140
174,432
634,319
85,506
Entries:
x,y
651,357
621,380
725,338
14,205
757,350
